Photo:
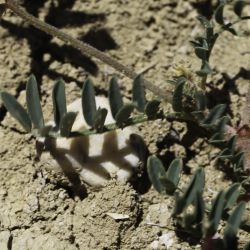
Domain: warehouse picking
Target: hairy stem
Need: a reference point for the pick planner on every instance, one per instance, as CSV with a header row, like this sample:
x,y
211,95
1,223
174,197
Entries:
x,y
85,48
141,118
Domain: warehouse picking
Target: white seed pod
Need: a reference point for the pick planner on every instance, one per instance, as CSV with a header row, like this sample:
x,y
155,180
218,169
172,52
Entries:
x,y
95,158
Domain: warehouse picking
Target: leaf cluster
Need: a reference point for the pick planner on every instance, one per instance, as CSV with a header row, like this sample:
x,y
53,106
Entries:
x,y
201,221
186,109
204,44
32,119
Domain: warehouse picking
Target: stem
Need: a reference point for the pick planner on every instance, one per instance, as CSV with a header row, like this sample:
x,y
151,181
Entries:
x,y
131,121
85,48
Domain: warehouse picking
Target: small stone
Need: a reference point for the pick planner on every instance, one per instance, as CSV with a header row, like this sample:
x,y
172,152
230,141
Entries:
x,y
95,158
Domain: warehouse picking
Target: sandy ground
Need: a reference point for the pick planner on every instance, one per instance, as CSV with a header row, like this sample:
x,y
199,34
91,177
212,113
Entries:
x,y
40,209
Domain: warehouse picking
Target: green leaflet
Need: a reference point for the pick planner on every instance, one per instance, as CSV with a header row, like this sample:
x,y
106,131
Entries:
x,y
218,15
196,185
233,224
201,53
115,97
66,123
177,95
152,108
88,102
155,171
16,110
173,175
215,214
205,69
33,103
59,102
238,7
231,195
215,114
138,93
192,222
123,114
99,119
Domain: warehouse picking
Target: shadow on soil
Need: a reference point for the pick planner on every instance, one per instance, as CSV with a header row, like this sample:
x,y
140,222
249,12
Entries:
x,y
41,44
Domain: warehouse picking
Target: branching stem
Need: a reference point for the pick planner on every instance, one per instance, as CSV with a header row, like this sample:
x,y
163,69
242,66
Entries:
x,y
85,48
221,30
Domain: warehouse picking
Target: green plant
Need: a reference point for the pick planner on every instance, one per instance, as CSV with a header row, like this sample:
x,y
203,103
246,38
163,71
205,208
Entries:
x,y
201,221
188,104
124,115
32,119
204,44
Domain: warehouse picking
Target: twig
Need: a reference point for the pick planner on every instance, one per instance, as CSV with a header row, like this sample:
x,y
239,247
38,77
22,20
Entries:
x,y
147,68
85,48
